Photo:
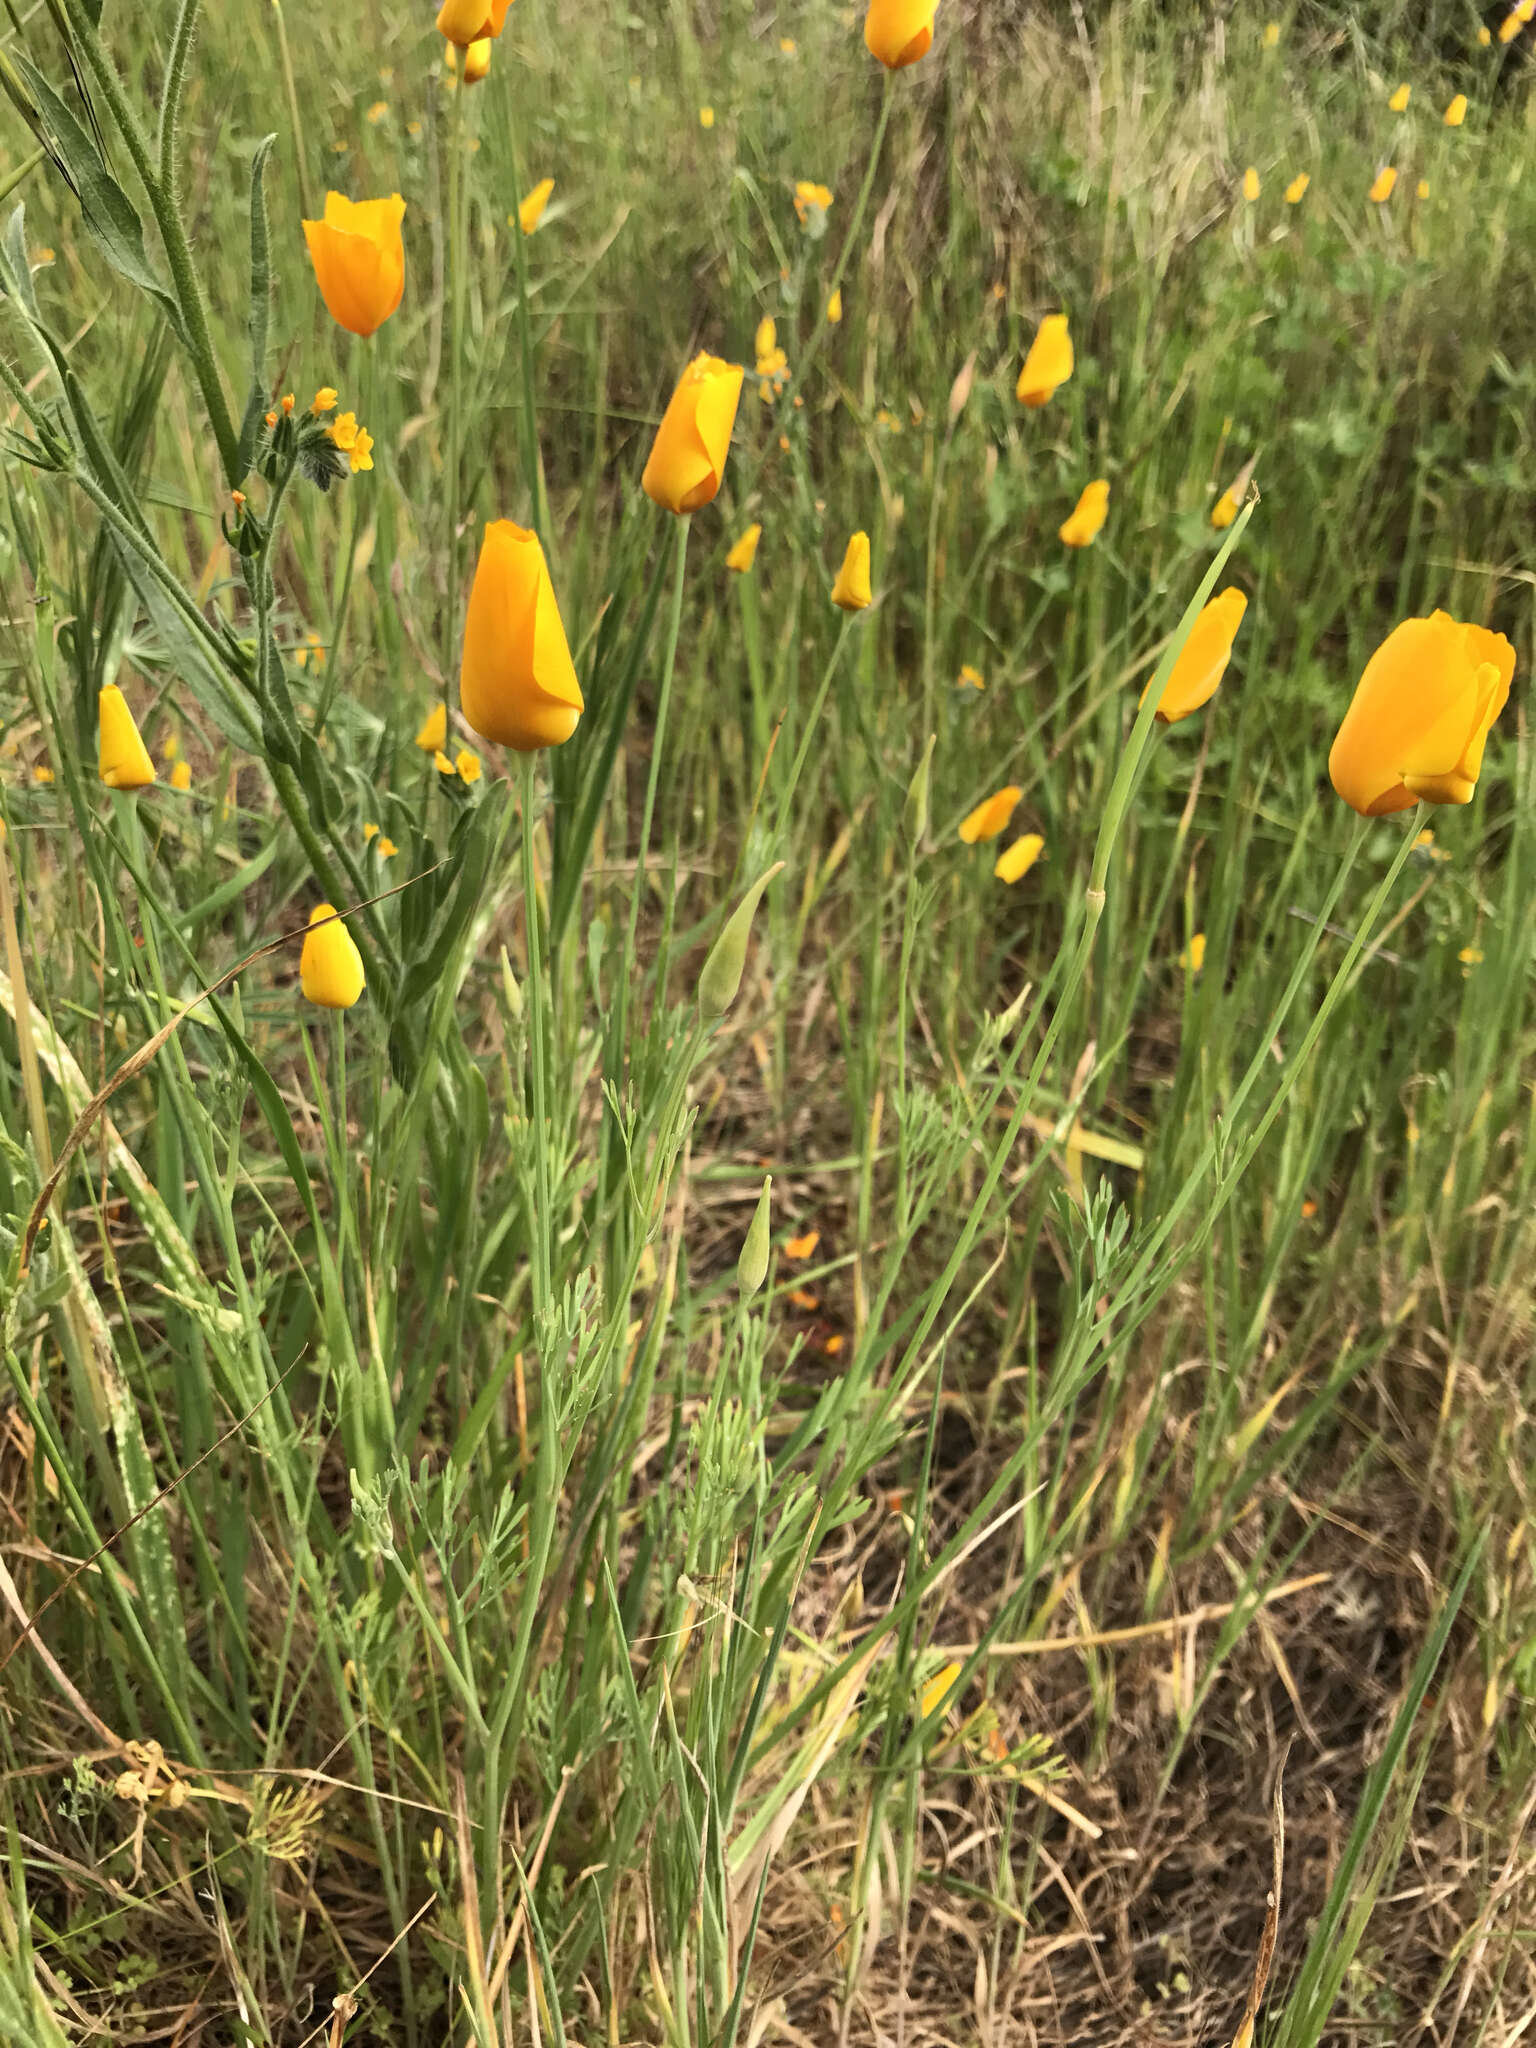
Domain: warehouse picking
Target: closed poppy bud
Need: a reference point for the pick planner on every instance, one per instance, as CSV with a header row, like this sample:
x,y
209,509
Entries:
x,y
359,259
1224,511
1202,659
752,1265
1399,100
1421,715
1296,191
851,591
1049,362
467,22
1088,515
517,682
1456,112
1382,184
477,60
1019,858
330,966
898,32
687,458
722,972
744,553
124,759
990,818
914,812
1251,185
433,734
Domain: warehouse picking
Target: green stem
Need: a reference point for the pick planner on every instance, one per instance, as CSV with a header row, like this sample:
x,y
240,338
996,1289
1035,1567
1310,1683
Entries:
x,y
291,91
804,748
530,426
453,456
659,735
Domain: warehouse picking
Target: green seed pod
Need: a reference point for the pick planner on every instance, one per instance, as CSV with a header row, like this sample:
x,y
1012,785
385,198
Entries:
x,y
509,988
752,1266
727,960
914,816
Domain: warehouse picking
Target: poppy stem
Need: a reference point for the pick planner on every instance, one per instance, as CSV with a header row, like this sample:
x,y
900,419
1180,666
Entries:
x,y
804,748
659,733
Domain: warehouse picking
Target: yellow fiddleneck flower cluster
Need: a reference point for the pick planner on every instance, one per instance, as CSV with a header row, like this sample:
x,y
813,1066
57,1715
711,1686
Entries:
x,y
1019,858
812,200
744,553
324,400
772,363
123,760
1086,520
852,592
531,210
42,773
990,818
377,112
330,966
359,259
355,442
970,677
1296,191
1383,185
1049,363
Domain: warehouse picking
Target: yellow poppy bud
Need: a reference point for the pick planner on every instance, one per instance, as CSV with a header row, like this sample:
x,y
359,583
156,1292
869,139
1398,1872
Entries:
x,y
434,730
744,553
752,1265
1381,187
359,259
687,458
531,210
517,682
181,775
1019,858
851,591
835,308
124,759
467,22
1456,112
991,818
1049,362
914,812
1251,185
1420,716
1088,515
1399,100
720,978
1202,659
1224,511
330,966
1193,956
898,32
1296,191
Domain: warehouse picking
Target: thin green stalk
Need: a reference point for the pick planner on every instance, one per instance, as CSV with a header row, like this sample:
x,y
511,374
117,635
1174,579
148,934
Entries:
x,y
457,282
299,128
659,733
787,796
530,417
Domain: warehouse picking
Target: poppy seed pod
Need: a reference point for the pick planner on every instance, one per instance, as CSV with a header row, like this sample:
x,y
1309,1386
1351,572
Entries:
x,y
687,458
721,977
752,1265
1049,363
123,760
359,259
914,812
1420,716
851,592
1203,658
517,682
330,966
898,32
1086,520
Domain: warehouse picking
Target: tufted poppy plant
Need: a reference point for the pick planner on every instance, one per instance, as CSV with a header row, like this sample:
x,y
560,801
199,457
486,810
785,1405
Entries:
x,y
123,761
517,682
1421,715
1202,659
898,32
687,458
330,966
1049,363
359,259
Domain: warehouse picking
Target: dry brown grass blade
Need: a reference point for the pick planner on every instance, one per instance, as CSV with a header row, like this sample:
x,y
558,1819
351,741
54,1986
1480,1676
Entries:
x,y
1266,1956
142,1055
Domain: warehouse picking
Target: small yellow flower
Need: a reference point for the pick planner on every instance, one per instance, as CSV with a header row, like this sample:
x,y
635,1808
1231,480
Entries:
x,y
706,117
370,831
1484,37
442,764
124,761
343,431
989,819
270,421
1251,185
1399,100
787,45
172,748
1296,191
1471,956
1381,188
1049,363
835,307
377,112
1224,511
970,676
811,199
744,553
1423,188
288,401
1193,956
531,211
433,736
1019,858
937,1690
42,773
1086,520
851,592
802,1247
468,765
1271,34
387,847
360,454
1456,112
181,775
330,966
